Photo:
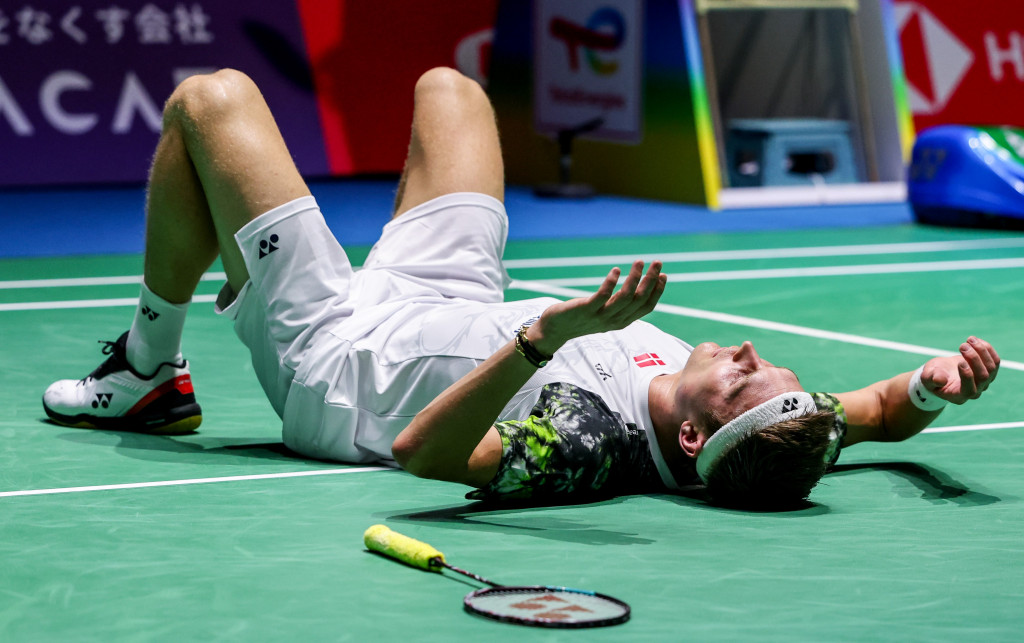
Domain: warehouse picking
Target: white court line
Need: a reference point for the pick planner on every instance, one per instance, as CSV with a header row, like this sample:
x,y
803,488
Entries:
x,y
816,271
609,260
975,427
88,303
175,483
327,472
751,322
718,275
772,253
72,282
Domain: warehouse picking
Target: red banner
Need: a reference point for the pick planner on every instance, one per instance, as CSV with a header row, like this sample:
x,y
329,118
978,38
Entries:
x,y
964,61
366,57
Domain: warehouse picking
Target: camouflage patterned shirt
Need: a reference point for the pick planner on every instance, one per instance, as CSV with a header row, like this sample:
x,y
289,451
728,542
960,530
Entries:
x,y
573,447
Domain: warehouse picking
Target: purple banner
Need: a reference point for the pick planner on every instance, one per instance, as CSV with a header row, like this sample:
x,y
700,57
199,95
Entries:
x,y
82,84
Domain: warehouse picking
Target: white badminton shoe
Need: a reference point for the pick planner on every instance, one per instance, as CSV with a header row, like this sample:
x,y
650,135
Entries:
x,y
116,397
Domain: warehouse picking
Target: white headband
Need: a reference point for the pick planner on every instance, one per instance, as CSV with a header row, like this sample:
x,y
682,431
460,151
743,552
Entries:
x,y
782,407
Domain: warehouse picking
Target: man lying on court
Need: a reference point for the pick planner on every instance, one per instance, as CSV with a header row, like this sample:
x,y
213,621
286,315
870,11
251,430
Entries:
x,y
415,358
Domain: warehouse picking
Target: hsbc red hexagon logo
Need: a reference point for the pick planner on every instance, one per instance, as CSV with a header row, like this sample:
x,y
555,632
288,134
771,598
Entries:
x,y
935,59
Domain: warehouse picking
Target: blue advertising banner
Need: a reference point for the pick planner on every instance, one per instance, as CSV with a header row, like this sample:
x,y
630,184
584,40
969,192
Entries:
x,y
82,83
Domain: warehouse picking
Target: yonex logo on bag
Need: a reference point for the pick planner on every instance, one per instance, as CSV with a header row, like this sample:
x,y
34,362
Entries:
x,y
266,247
150,313
648,359
102,399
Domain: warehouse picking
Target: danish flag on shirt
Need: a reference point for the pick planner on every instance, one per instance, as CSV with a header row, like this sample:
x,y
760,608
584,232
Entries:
x,y
648,359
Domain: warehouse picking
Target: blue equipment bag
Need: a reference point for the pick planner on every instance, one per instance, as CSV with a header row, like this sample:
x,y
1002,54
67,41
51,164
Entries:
x,y
968,177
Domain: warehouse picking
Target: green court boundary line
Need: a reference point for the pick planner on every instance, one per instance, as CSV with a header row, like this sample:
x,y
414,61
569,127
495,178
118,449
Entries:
x,y
191,481
327,472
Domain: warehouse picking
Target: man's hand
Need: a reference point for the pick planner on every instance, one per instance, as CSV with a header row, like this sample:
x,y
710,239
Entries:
x,y
603,311
883,412
453,437
965,377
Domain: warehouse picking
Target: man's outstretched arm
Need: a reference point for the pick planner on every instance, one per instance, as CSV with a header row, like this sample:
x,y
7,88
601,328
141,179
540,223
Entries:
x,y
885,412
453,437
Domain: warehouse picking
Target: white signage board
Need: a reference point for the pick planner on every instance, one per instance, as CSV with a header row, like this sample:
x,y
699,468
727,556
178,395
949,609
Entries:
x,y
588,65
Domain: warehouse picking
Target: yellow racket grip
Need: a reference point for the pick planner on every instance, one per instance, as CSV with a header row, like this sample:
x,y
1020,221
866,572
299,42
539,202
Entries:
x,y
410,551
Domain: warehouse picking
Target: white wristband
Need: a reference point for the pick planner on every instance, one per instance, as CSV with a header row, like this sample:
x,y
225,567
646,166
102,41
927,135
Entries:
x,y
921,396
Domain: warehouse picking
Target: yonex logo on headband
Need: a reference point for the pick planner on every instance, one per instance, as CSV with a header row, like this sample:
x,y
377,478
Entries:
x,y
778,409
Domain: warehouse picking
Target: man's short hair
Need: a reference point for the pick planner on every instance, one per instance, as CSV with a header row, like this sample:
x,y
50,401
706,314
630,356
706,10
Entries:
x,y
776,467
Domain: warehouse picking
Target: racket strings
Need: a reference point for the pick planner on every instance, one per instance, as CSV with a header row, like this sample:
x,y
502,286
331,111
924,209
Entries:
x,y
548,607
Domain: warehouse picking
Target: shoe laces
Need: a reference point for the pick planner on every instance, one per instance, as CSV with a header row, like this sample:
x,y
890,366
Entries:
x,y
116,362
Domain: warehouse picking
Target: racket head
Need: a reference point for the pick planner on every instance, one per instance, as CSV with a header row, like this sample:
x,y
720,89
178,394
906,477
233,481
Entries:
x,y
544,606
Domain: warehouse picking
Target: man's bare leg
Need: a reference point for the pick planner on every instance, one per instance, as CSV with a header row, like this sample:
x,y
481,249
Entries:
x,y
454,145
220,163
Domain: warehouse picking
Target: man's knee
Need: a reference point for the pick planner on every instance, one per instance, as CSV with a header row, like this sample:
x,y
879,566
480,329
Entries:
x,y
204,97
446,87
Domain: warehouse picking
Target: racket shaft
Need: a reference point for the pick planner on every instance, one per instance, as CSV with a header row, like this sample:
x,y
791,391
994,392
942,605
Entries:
x,y
475,577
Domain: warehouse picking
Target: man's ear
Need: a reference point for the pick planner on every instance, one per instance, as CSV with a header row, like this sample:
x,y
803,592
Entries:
x,y
691,440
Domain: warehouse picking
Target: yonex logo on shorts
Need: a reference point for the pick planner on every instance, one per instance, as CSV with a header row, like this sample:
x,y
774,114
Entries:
x,y
266,247
648,359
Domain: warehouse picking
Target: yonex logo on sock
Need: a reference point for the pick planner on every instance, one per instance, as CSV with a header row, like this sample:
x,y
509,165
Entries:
x,y
266,247
150,313
102,399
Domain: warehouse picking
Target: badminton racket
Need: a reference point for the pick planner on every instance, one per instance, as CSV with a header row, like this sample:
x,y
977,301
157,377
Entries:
x,y
537,605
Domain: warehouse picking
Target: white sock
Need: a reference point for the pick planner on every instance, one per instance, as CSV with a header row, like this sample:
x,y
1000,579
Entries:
x,y
155,336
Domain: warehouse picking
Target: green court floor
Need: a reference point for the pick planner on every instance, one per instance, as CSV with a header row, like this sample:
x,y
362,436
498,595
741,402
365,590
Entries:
x,y
223,536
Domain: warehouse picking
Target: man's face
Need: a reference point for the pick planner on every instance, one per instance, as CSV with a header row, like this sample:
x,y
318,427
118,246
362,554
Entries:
x,y
730,380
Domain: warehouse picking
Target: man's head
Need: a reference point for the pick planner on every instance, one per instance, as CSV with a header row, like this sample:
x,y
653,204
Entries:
x,y
757,438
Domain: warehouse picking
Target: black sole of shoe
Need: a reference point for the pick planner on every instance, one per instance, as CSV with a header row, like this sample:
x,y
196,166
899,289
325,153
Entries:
x,y
177,421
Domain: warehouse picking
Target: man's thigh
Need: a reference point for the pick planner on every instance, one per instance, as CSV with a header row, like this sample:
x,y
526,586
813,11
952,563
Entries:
x,y
237,151
454,145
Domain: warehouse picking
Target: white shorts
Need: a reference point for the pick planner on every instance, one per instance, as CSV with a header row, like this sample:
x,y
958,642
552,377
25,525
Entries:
x,y
301,282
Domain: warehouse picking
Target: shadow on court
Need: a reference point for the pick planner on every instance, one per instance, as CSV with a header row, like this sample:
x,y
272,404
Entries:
x,y
913,480
697,498
530,520
187,449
